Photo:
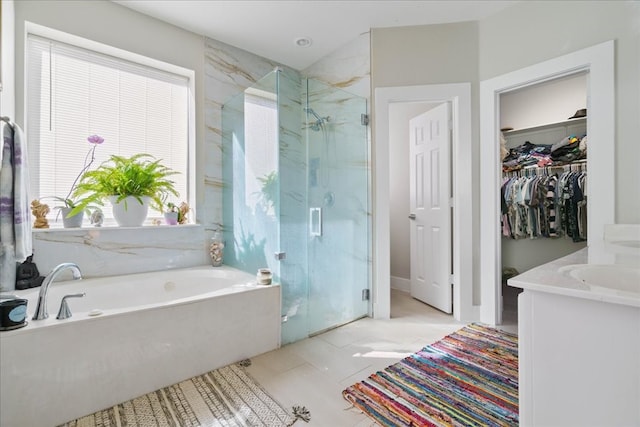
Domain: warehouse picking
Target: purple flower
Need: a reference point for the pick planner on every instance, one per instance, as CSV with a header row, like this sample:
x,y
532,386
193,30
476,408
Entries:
x,y
88,161
95,139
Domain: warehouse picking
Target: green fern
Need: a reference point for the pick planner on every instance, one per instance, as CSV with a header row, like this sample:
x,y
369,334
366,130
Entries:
x,y
136,176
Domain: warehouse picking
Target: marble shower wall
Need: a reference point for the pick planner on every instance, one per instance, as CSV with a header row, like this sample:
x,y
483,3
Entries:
x,y
228,71
347,68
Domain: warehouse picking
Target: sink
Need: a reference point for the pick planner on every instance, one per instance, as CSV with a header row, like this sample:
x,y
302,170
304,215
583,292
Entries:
x,y
617,277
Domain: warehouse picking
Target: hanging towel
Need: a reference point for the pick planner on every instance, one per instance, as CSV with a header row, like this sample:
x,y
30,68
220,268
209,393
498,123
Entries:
x,y
15,223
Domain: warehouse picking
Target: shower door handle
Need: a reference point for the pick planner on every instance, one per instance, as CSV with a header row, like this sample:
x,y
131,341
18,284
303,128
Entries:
x,y
315,222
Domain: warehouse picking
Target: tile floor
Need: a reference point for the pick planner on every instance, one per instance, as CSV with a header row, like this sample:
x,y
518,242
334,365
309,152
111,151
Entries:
x,y
313,372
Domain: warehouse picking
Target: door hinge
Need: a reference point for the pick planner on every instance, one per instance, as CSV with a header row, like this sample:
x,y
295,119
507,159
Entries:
x,y
365,295
364,119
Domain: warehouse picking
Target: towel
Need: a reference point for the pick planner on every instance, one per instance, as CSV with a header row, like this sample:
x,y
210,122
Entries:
x,y
15,223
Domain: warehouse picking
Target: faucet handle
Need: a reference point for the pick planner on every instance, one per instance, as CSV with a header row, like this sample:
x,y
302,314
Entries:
x,y
65,312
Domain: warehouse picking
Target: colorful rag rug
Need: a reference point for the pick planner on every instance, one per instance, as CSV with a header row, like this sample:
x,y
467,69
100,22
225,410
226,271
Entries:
x,y
469,378
226,397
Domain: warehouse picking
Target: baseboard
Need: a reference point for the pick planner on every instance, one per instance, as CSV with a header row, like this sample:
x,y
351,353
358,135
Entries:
x,y
400,284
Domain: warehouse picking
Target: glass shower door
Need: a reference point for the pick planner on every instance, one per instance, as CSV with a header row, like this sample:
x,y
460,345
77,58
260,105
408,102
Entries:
x,y
338,206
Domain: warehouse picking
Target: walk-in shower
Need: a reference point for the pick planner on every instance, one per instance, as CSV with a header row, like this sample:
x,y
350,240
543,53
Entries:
x,y
296,197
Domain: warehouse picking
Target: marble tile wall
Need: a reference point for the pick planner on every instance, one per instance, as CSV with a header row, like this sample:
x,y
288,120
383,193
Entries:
x,y
347,68
109,251
228,72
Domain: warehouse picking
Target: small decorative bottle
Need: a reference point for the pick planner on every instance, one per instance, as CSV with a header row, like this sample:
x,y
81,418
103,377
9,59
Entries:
x,y
216,249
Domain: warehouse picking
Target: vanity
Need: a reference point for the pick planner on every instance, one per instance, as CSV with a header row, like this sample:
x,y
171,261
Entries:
x,y
579,336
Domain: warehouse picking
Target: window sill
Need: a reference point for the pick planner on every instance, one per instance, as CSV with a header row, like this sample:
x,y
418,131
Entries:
x,y
115,227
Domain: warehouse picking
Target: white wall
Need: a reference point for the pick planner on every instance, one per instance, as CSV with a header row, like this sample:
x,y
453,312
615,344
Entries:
x,y
399,116
534,31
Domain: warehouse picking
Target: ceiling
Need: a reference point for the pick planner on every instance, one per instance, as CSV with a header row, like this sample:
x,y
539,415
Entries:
x,y
269,27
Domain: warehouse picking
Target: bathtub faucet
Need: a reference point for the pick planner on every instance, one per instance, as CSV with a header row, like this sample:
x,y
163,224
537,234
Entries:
x,y
41,308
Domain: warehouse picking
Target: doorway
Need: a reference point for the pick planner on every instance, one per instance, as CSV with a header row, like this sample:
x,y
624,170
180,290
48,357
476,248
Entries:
x,y
459,97
598,61
418,166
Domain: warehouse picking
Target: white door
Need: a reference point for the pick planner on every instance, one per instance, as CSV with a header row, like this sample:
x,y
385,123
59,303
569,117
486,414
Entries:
x,y
430,213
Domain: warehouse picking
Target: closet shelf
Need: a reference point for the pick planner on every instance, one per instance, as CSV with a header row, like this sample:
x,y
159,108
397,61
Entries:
x,y
580,120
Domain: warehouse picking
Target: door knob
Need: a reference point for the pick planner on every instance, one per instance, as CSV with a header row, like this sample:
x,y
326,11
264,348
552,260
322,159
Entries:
x,y
412,216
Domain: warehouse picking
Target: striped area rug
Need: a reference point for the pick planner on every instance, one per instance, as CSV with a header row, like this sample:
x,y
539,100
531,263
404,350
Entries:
x,y
469,378
226,397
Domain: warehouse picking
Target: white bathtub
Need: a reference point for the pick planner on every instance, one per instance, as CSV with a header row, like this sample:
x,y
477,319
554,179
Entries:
x,y
155,329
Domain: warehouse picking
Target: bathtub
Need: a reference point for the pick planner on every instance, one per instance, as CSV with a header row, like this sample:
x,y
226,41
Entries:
x,y
151,330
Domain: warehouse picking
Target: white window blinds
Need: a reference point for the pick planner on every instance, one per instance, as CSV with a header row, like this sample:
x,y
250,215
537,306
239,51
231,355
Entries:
x,y
74,93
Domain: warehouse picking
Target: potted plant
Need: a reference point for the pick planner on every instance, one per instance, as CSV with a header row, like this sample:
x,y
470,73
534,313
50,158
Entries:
x,y
172,214
131,184
175,214
70,220
72,217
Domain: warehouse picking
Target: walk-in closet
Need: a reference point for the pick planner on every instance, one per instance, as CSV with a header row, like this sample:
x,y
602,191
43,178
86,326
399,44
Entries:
x,y
544,176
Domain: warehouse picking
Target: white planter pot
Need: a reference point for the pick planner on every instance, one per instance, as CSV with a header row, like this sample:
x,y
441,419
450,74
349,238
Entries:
x,y
129,212
73,221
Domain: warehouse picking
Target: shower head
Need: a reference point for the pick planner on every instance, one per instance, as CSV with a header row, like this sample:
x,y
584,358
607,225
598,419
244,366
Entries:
x,y
320,121
309,110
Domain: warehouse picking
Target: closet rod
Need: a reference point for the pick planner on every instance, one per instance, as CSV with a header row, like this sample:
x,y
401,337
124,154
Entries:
x,y
535,170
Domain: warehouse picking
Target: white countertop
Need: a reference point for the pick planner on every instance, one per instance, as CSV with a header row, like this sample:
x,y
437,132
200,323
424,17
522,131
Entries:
x,y
549,278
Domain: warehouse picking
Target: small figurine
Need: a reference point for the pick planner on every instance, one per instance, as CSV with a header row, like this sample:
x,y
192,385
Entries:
x,y
27,274
183,211
40,211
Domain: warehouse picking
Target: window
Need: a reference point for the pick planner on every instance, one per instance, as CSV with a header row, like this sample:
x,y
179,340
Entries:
x,y
74,92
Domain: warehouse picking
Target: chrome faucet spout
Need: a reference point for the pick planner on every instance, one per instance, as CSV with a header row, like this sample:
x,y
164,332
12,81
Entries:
x,y
41,308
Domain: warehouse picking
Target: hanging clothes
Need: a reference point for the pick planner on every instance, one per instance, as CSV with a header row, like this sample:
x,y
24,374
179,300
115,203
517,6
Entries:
x,y
535,204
